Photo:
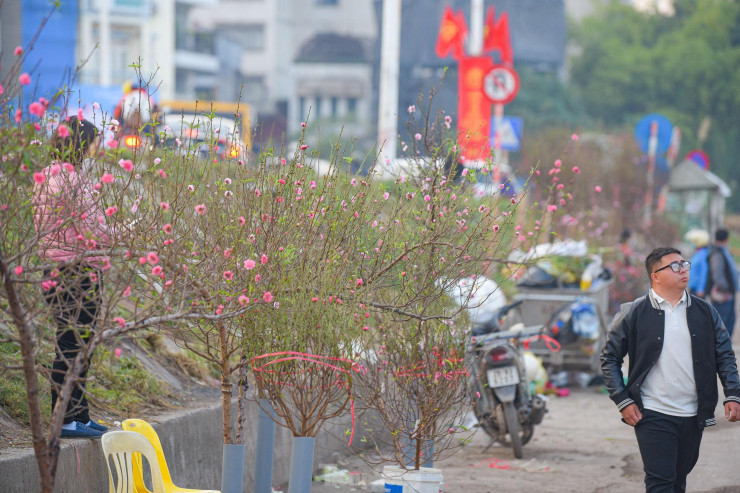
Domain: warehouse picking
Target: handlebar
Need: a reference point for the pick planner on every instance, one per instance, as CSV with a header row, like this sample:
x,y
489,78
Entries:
x,y
531,331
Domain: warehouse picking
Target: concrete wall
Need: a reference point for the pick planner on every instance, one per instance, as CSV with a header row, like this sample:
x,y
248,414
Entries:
x,y
192,443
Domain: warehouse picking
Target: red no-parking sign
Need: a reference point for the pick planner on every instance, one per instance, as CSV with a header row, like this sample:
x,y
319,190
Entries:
x,y
501,84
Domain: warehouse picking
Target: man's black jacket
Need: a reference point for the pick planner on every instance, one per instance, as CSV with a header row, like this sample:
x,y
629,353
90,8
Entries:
x,y
638,330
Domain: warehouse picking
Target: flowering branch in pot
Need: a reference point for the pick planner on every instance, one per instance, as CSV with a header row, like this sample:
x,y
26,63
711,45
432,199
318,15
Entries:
x,y
414,389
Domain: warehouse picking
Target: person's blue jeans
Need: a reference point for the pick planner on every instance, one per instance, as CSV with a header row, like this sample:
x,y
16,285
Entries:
x,y
669,446
727,313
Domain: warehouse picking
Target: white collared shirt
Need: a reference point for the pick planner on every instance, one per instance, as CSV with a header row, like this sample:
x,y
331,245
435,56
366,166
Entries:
x,y
669,387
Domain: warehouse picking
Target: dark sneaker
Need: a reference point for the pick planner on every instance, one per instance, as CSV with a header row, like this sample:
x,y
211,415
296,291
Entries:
x,y
97,426
81,431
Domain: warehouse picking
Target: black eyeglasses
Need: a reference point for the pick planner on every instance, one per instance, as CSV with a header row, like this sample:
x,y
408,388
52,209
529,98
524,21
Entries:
x,y
676,266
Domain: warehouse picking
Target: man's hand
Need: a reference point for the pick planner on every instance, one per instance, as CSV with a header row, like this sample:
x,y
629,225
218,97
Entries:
x,y
732,411
632,415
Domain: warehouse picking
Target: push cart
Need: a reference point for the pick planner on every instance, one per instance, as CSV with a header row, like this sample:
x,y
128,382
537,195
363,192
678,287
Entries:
x,y
554,308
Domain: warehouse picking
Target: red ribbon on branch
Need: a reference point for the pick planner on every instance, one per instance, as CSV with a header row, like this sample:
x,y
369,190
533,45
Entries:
x,y
317,359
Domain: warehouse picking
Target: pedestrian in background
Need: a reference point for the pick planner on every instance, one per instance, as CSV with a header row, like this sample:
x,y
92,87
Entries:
x,y
67,220
722,282
677,345
699,263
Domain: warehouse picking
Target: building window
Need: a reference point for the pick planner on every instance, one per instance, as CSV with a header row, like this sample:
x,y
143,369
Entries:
x,y
253,37
334,106
254,89
330,3
316,113
352,106
302,107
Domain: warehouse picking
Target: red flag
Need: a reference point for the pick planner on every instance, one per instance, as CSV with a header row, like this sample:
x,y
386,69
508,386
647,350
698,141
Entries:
x,y
496,36
452,33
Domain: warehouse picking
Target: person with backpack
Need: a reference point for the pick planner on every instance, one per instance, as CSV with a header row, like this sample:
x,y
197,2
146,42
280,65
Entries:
x,y
722,281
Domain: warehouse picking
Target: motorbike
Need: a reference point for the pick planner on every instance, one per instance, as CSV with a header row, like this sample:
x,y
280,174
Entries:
x,y
505,406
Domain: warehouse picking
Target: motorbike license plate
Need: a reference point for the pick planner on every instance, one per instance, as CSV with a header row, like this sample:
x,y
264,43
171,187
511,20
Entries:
x,y
499,377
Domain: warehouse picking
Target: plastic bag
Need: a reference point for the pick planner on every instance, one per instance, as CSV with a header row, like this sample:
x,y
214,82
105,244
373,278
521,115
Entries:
x,y
585,320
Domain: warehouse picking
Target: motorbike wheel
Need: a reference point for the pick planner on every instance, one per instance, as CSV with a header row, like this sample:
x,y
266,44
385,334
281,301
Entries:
x,y
513,428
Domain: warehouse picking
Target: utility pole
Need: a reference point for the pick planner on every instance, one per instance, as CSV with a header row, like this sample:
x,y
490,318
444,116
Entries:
x,y
475,41
390,53
105,74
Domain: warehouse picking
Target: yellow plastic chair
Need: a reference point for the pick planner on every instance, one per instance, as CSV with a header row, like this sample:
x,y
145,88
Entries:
x,y
119,448
145,429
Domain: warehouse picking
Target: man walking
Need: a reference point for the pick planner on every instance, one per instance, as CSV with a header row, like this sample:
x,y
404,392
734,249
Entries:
x,y
677,345
722,279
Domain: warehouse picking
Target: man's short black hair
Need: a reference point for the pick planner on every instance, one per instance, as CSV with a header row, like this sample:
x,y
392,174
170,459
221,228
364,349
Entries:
x,y
721,234
653,258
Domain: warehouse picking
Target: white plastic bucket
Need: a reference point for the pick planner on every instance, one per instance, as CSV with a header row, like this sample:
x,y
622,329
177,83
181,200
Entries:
x,y
423,480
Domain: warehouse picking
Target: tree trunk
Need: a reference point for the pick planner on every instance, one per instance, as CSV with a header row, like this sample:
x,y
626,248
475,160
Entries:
x,y
241,400
46,454
226,387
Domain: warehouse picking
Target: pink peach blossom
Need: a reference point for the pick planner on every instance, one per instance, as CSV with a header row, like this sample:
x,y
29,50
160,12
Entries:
x,y
597,189
111,210
126,292
165,206
48,284
18,51
228,275
263,259
39,177
267,297
63,131
200,209
121,323
18,270
107,178
157,270
243,300
152,258
167,228
24,79
126,164
36,108
249,264
162,173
